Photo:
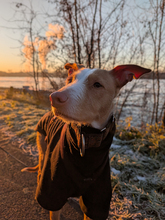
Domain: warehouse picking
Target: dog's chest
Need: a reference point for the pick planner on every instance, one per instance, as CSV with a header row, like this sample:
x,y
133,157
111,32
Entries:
x,y
69,139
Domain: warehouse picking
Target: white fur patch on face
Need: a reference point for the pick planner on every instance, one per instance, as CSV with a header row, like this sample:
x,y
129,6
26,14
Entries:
x,y
84,73
77,88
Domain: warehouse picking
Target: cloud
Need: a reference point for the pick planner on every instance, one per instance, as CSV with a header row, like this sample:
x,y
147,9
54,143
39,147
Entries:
x,y
28,49
28,52
55,31
43,46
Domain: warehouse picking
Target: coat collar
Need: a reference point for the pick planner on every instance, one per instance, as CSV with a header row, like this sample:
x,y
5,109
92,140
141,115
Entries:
x,y
89,137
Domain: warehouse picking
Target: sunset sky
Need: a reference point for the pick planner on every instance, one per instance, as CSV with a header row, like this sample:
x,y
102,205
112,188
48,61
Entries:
x,y
10,60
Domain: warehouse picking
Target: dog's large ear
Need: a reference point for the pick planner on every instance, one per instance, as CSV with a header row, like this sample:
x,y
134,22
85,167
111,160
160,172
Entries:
x,y
125,73
71,67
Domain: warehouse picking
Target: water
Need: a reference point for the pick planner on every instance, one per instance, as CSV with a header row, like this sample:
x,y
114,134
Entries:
x,y
19,82
44,83
140,102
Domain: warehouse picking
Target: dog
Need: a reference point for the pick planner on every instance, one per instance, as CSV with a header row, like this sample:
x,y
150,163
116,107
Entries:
x,y
75,158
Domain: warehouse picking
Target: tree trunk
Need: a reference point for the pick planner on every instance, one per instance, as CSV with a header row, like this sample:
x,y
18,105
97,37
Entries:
x,y
77,33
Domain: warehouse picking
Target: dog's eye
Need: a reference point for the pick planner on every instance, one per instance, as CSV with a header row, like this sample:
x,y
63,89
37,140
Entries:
x,y
69,80
97,85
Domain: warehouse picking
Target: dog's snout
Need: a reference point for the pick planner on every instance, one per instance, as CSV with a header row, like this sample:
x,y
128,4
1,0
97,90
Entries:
x,y
58,98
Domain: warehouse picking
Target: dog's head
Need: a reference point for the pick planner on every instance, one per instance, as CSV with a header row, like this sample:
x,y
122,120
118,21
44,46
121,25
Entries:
x,y
88,98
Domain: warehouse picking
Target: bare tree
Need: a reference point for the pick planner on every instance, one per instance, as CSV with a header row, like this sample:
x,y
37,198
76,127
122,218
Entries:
x,y
151,25
88,36
25,18
156,29
36,49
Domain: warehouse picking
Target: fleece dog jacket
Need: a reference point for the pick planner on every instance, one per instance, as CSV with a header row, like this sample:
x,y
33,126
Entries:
x,y
67,174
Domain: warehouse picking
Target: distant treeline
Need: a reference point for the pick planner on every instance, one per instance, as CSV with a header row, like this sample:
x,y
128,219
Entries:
x,y
24,74
18,74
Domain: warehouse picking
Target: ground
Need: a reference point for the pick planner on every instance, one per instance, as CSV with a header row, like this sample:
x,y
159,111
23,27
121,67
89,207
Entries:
x,y
137,166
17,190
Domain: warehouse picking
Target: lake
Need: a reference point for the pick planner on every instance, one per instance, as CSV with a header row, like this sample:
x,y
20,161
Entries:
x,y
19,82
139,104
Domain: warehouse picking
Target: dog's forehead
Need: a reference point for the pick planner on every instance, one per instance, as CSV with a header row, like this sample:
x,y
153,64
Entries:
x,y
84,73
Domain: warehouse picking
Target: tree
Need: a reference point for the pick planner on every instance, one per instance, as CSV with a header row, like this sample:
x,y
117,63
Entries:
x,y
90,33
155,25
35,47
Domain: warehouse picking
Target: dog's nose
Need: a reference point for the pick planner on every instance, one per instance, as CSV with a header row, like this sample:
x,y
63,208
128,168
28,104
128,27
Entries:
x,y
58,98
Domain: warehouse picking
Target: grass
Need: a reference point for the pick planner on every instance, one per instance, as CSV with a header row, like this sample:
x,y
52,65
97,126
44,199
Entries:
x,y
20,114
137,159
138,170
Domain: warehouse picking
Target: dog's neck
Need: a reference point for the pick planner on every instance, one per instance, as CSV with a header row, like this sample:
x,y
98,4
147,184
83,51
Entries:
x,y
97,125
101,124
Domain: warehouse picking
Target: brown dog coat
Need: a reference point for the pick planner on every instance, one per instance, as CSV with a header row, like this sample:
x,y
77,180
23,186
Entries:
x,y
66,174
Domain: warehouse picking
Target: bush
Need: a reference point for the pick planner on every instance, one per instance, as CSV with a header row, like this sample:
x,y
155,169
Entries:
x,y
9,92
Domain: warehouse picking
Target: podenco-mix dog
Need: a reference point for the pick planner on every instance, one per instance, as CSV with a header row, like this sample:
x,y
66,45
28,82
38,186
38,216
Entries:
x,y
76,158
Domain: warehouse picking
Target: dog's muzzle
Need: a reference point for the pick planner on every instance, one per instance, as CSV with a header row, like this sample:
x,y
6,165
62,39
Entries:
x,y
58,99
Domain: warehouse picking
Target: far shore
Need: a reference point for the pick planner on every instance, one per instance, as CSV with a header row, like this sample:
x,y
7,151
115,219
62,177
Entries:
x,y
24,74
30,74
19,74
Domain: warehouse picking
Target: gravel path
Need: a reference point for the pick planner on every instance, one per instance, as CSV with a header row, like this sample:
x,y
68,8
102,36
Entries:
x,y
17,190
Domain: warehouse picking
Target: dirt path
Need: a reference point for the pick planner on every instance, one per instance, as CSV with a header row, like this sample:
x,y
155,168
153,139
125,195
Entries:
x,y
17,190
